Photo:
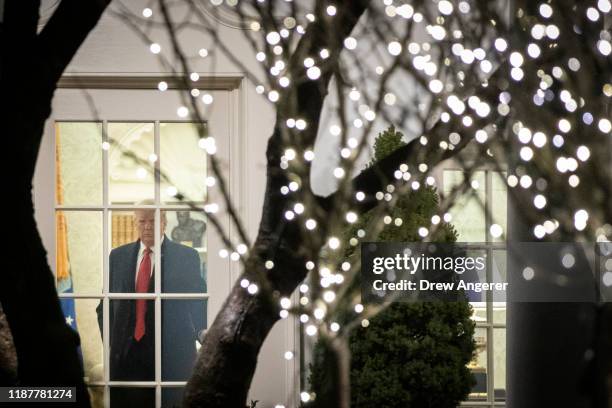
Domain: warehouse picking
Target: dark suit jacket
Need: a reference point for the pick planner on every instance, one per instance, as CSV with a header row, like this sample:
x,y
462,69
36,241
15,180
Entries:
x,y
182,320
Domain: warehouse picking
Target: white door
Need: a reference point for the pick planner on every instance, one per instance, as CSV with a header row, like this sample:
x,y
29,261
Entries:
x,y
106,153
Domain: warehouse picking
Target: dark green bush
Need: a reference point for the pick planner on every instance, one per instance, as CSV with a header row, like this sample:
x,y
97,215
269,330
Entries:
x,y
412,355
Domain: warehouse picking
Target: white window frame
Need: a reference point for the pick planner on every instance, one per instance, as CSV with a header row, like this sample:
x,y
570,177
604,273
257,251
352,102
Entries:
x,y
490,247
106,209
235,86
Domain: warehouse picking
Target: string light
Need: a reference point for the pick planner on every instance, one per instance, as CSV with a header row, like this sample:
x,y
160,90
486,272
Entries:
x,y
468,118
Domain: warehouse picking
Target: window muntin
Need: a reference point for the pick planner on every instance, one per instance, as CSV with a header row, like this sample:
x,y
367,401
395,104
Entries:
x,y
94,214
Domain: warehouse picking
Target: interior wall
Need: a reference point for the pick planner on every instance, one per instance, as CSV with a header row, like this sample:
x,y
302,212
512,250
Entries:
x,y
112,48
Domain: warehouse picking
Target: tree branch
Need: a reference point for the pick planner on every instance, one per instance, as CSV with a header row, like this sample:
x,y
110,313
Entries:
x,y
46,347
226,365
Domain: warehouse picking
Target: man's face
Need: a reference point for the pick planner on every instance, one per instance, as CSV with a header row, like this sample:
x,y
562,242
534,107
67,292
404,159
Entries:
x,y
145,224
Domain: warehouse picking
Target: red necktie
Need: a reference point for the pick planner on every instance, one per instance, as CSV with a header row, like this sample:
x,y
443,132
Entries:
x,y
142,286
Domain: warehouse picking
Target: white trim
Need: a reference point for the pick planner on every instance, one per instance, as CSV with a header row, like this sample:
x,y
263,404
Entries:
x,y
236,126
292,342
130,81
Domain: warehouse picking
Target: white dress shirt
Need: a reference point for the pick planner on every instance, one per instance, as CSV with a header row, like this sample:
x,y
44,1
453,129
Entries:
x,y
141,255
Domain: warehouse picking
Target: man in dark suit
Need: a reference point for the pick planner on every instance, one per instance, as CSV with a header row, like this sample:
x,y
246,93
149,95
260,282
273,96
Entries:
x,y
132,322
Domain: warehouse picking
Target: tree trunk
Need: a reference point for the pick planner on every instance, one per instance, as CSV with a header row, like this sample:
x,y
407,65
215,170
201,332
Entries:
x,y
8,356
228,357
343,357
30,65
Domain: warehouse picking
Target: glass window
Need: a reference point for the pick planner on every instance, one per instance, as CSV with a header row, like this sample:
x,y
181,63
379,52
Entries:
x,y
499,275
122,228
81,316
183,324
499,203
188,228
125,396
96,396
131,157
130,256
478,366
131,339
78,251
172,397
131,234
475,276
182,162
467,212
473,216
78,162
499,380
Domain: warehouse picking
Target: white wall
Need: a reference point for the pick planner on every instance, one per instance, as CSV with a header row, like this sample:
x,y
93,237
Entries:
x,y
113,48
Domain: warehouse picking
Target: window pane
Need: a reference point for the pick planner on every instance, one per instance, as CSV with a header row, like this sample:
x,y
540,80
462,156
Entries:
x,y
478,365
122,228
475,275
187,228
467,211
132,345
78,163
127,248
80,315
479,312
96,396
78,251
184,267
132,397
182,163
499,275
130,162
172,397
499,364
183,322
499,203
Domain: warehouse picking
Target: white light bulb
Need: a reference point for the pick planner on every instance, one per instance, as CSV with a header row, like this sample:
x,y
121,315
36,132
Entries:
x,y
500,44
313,72
182,112
436,86
351,217
350,43
334,243
583,153
496,230
539,201
445,7
273,38
394,48
155,48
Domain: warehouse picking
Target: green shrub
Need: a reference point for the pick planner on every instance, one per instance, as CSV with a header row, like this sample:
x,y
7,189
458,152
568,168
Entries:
x,y
412,355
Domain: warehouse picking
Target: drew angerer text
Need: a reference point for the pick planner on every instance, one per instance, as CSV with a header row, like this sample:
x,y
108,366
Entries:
x,y
425,285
